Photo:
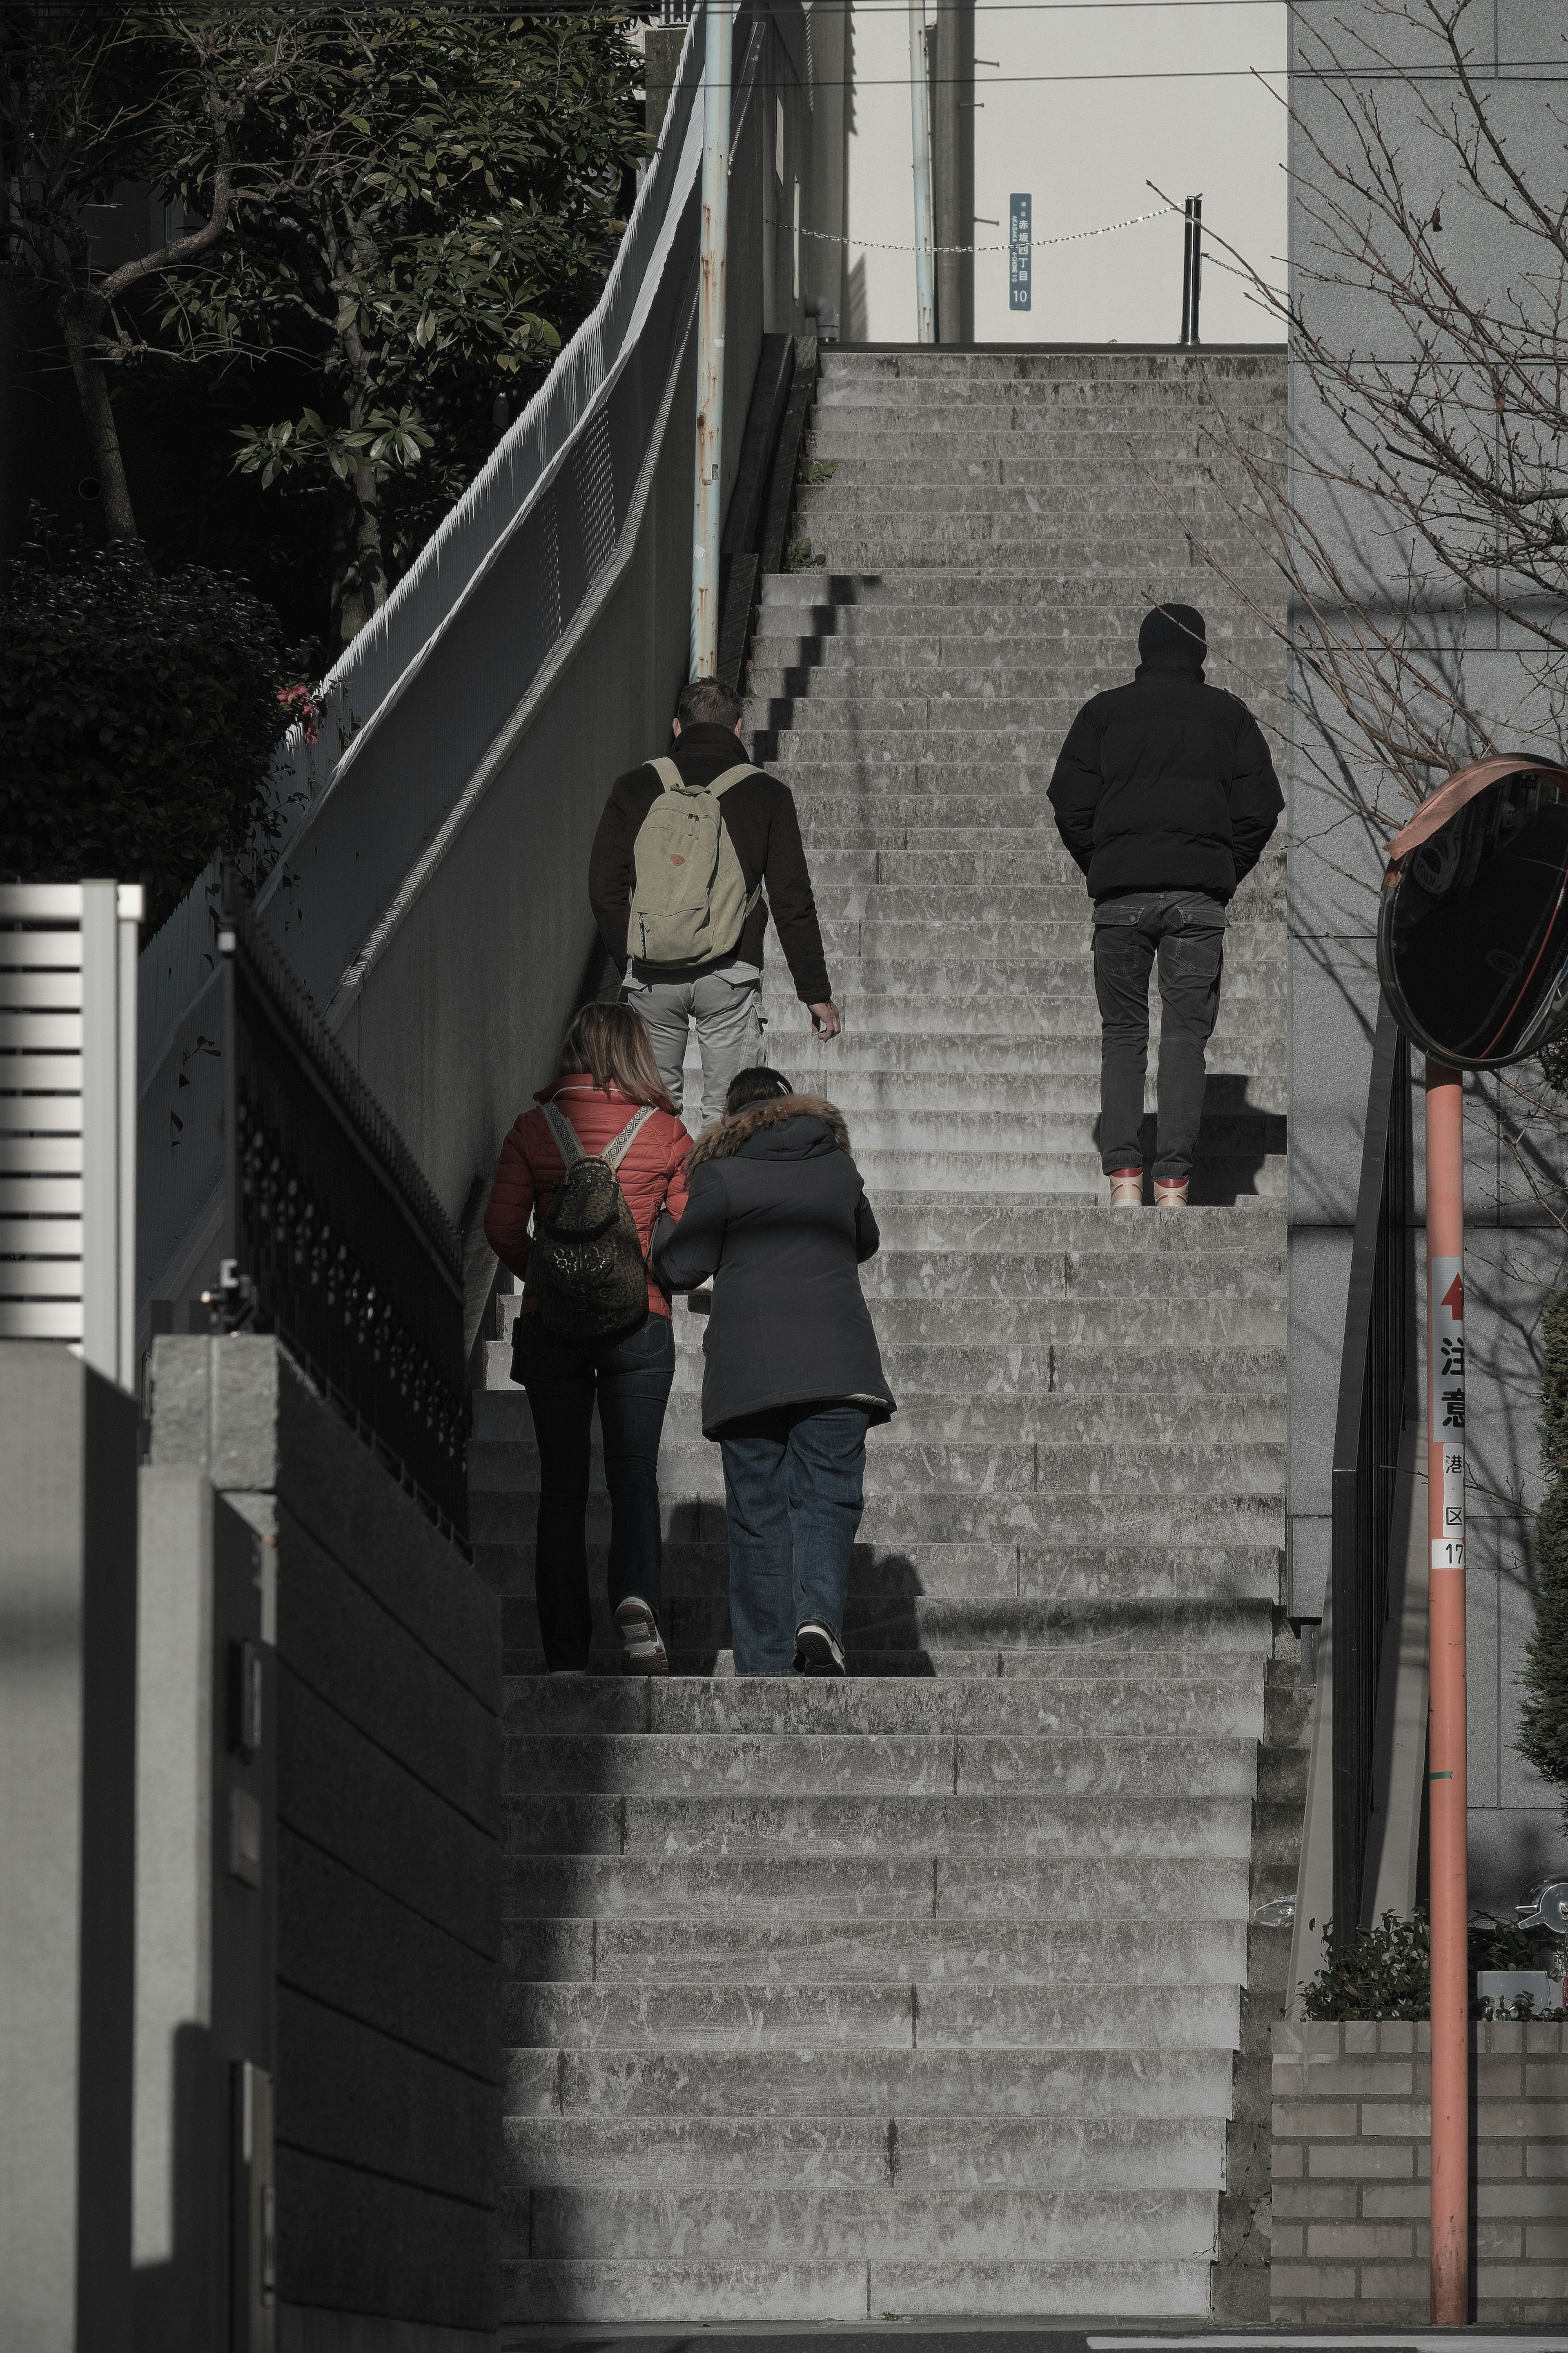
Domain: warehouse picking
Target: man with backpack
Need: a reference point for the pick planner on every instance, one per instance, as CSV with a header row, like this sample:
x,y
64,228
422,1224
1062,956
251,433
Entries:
x,y
684,851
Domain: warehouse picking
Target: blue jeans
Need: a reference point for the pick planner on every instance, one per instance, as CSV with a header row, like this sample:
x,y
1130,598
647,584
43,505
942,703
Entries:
x,y
794,1481
632,1376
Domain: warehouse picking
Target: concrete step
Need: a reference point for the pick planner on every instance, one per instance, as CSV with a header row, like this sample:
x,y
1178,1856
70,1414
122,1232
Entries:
x,y
616,1823
687,2293
936,1368
797,1764
792,1888
998,584
862,2015
829,2152
1086,1692
641,2222
1140,2080
646,1954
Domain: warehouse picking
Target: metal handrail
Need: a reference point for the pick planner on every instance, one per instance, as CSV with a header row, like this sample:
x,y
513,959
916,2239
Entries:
x,y
331,1237
1377,1396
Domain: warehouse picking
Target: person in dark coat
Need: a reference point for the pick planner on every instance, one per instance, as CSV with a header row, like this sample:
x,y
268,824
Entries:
x,y
1166,795
777,1215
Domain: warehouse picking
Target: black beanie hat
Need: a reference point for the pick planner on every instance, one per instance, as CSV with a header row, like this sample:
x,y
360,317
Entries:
x,y
1173,635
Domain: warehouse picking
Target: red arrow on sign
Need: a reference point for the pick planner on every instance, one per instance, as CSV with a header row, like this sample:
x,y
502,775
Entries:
x,y
1453,1299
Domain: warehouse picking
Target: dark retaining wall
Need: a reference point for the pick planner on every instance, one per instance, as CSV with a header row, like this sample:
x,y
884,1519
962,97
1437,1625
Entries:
x,y
388,1796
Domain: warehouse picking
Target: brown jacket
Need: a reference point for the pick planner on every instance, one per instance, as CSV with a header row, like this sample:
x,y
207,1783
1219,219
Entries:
x,y
761,816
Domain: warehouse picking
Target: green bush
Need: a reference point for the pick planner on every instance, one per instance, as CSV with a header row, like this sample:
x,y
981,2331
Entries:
x,y
1383,1972
1386,1971
1542,1735
140,713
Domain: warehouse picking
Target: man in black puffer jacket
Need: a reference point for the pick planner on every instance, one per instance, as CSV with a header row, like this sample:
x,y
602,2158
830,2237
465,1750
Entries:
x,y
1166,795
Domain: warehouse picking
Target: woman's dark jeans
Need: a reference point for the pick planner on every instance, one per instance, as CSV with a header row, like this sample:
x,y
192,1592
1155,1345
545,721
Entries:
x,y
794,1481
1185,929
632,1378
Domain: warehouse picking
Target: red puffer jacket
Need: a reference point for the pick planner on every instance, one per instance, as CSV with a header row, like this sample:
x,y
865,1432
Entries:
x,y
652,1175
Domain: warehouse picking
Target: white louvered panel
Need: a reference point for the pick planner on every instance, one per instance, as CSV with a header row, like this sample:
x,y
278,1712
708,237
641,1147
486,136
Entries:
x,y
47,1115
40,1319
37,1033
38,992
40,951
40,1278
41,903
37,1156
39,1237
40,1196
49,1073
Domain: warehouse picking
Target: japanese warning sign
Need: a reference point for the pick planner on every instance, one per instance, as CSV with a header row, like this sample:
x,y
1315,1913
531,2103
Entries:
x,y
1447,1404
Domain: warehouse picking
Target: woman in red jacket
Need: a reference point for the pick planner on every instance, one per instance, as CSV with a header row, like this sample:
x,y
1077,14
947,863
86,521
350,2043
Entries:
x,y
607,1074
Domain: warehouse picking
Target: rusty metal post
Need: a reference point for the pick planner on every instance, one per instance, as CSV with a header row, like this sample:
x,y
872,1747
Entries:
x,y
920,140
708,491
1445,1760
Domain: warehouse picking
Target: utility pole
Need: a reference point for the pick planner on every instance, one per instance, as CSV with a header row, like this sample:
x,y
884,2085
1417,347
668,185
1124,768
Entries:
x,y
709,489
952,45
920,136
1447,1793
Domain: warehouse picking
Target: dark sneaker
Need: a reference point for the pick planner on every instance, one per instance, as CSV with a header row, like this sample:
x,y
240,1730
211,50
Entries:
x,y
816,1652
642,1648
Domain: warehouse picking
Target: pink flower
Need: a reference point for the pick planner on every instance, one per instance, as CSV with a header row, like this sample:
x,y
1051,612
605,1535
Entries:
x,y
300,704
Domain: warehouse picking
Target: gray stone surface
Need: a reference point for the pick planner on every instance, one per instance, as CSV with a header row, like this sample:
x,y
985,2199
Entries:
x,y
68,1831
872,1961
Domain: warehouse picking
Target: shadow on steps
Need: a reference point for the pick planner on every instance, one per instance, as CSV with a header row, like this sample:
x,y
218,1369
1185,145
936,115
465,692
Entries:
x,y
1236,1143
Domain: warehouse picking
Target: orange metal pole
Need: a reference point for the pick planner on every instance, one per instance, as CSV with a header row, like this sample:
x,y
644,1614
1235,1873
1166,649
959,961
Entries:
x,y
1446,1527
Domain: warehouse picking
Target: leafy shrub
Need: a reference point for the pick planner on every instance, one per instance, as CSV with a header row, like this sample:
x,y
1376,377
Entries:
x,y
1383,1972
1386,1971
1542,1735
139,716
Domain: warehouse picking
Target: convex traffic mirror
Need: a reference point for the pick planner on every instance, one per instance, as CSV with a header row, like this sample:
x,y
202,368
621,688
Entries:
x,y
1472,940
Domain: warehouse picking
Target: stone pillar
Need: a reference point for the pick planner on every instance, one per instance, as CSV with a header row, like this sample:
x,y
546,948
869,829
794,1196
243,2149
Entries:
x,y
67,1837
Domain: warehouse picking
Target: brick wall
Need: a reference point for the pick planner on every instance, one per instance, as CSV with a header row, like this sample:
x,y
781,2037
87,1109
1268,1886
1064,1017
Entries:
x,y
1352,2166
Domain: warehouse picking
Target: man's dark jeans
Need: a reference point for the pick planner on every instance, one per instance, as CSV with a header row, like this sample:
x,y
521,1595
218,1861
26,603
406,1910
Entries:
x,y
632,1376
793,1483
1186,930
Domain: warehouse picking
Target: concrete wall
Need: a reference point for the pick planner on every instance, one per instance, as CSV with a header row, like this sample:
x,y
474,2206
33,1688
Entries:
x,y
1081,109
1352,2175
67,1837
1514,1248
388,1797
206,1878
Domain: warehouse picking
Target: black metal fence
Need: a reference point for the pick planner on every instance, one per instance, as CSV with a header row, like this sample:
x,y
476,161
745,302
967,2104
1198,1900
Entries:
x,y
1378,1394
333,1239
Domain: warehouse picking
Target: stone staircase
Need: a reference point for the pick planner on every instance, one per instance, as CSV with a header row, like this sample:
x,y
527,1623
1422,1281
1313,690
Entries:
x,y
932,1992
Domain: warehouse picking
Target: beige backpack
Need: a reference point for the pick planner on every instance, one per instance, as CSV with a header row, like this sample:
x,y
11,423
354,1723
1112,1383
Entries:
x,y
690,901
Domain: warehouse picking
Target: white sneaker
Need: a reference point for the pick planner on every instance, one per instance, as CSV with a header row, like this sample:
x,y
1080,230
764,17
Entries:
x,y
642,1647
816,1652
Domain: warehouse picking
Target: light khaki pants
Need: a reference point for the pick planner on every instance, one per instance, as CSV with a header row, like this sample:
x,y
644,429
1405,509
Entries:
x,y
728,1018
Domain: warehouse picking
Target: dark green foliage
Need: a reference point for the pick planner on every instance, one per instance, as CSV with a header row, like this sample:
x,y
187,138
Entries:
x,y
1543,1736
1386,1971
139,716
1383,1972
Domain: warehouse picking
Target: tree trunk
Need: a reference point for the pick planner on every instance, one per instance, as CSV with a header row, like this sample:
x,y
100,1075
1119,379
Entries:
x,y
359,588
98,416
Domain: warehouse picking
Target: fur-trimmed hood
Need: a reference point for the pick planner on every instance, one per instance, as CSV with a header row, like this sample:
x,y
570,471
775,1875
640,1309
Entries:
x,y
726,1136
